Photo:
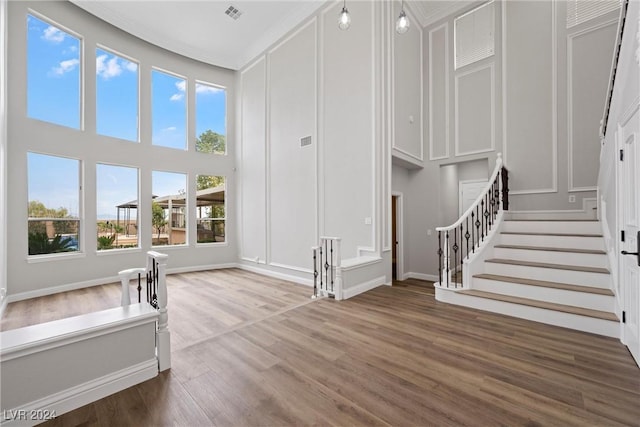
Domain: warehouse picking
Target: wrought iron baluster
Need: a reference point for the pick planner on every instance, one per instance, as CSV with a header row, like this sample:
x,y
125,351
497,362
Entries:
x,y
331,260
448,258
461,253
467,235
315,272
139,288
455,254
326,264
320,266
440,257
473,234
486,214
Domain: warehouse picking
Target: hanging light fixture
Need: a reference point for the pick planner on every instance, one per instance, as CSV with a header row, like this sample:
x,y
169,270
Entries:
x,y
344,20
402,23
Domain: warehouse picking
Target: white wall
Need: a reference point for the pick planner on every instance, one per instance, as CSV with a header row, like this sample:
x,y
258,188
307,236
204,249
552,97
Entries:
x,y
317,81
28,278
533,100
3,151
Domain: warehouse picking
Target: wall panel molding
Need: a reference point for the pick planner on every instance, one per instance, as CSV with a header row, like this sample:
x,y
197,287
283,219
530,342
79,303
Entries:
x,y
570,103
554,104
444,27
458,77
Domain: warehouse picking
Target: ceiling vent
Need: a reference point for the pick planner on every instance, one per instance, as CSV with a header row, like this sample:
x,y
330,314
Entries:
x,y
233,12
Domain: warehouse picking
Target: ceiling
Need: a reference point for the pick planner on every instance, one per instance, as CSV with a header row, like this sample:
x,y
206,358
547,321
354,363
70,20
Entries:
x,y
201,30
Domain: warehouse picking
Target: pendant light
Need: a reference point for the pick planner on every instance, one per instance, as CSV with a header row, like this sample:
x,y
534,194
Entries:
x,y
402,23
344,20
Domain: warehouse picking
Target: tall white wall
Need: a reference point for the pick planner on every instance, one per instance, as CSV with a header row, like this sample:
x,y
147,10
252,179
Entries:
x,y
27,277
318,82
537,99
3,150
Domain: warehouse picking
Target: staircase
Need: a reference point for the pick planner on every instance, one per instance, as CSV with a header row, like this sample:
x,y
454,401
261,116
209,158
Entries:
x,y
553,271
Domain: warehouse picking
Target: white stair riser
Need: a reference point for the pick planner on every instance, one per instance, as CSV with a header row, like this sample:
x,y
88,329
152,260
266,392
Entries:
x,y
580,227
567,216
567,258
595,243
571,277
558,296
550,317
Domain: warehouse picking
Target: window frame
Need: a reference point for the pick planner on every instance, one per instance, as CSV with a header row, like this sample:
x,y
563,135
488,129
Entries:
x,y
226,108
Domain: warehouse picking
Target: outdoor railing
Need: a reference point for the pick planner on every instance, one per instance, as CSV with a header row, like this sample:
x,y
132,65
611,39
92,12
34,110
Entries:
x,y
327,270
156,296
464,236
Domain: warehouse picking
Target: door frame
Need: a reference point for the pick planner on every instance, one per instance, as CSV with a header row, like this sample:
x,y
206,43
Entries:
x,y
461,184
399,234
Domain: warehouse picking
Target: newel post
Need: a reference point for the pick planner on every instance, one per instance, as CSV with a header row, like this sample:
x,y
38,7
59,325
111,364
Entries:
x,y
163,339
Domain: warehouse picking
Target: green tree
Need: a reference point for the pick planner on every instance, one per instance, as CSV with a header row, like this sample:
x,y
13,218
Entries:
x,y
39,210
208,181
157,217
39,243
211,142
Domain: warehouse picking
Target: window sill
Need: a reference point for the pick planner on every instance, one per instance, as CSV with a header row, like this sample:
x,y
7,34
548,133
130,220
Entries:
x,y
34,259
120,251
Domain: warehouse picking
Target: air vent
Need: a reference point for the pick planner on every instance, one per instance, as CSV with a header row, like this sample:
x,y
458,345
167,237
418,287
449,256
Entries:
x,y
305,141
233,12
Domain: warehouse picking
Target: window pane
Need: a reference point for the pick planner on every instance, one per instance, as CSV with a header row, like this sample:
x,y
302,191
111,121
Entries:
x,y
117,207
54,204
211,118
116,96
53,74
211,208
169,110
169,209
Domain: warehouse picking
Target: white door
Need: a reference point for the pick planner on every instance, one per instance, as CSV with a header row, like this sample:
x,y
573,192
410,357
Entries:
x,y
469,192
629,206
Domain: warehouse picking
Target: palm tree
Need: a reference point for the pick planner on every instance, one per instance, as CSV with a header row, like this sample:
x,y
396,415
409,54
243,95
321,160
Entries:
x,y
39,243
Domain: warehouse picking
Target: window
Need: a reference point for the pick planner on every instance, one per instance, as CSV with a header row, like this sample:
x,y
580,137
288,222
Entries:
x,y
169,110
116,96
169,208
474,35
53,74
211,208
54,204
117,207
211,119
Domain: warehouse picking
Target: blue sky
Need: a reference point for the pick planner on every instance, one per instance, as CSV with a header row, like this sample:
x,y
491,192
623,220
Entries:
x,y
53,95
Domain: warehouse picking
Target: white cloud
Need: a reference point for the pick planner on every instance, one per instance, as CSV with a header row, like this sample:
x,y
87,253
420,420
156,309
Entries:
x,y
170,129
177,97
130,66
181,85
65,66
206,89
108,67
53,34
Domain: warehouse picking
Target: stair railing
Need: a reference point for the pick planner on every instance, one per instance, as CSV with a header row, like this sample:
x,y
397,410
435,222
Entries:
x,y
327,269
156,295
460,239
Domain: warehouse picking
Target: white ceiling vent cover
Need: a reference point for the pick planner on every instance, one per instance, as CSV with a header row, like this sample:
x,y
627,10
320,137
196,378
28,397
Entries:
x,y
233,12
305,141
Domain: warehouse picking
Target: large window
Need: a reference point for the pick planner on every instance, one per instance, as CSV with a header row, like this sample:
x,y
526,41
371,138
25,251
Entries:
x,y
54,204
211,118
53,74
116,96
169,110
117,207
169,208
211,209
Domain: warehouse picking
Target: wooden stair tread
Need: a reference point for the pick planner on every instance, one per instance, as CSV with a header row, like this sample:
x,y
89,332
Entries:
x,y
598,314
535,233
545,284
541,248
548,265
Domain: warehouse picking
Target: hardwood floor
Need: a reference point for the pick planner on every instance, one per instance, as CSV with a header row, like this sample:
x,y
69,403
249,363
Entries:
x,y
249,350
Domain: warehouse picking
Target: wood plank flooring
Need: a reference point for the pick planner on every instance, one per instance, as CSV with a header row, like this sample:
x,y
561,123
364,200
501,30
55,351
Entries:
x,y
250,350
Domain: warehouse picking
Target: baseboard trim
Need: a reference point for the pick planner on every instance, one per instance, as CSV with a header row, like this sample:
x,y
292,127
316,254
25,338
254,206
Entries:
x,y
421,276
275,274
103,281
180,270
75,397
364,287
